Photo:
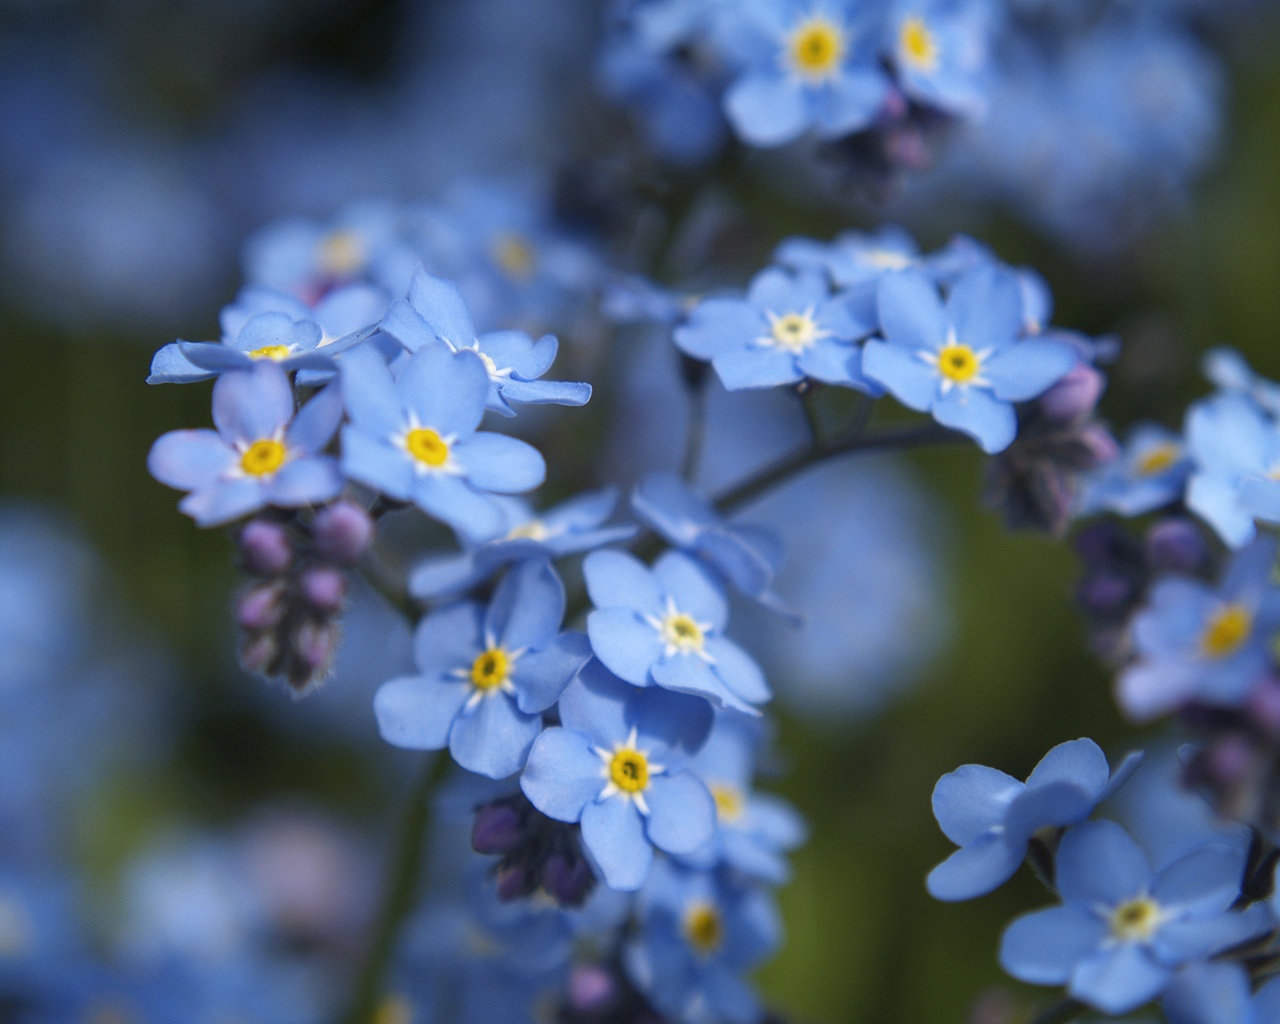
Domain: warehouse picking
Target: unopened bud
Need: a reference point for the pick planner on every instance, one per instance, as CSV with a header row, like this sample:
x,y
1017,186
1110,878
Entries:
x,y
1075,395
1176,545
591,988
496,829
323,589
343,532
1263,705
257,654
260,607
314,645
265,548
567,879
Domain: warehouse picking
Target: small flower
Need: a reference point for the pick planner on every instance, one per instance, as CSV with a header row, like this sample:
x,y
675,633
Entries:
x,y
992,816
1150,472
962,361
1123,930
614,764
414,438
853,257
1235,446
662,627
486,675
435,312
939,52
260,454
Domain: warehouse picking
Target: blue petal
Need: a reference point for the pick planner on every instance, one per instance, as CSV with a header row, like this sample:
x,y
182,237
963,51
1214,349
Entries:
x,y
417,713
972,799
1120,979
1028,369
911,313
562,774
189,458
1216,500
317,421
541,676
596,704
687,673
719,325
370,394
223,501
757,366
441,305
975,869
1079,761
1205,881
1052,804
1194,938
682,814
449,639
618,580
674,723
516,351
277,328
908,378
453,501
170,366
402,322
985,308
445,576
1044,948
692,590
625,643
850,102
546,392
1213,993
991,422
446,390
213,357
493,738
1098,862
614,834
304,481
767,110
528,606
252,404
496,462
377,465
833,363
738,670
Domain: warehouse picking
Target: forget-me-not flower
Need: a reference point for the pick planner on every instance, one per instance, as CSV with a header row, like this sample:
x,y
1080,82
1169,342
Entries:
x,y
992,816
963,361
1235,446
788,327
939,50
261,453
414,438
853,257
615,764
487,674
664,627
1123,930
1149,473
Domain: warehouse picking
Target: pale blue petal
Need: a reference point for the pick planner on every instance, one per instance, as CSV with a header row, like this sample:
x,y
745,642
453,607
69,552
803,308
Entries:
x,y
402,322
446,390
449,639
170,366
1044,948
975,869
694,592
562,774
453,501
618,580
595,704
1099,863
911,313
416,712
719,325
190,458
224,501
767,110
441,305
1216,500
493,738
972,799
1212,993
850,102
991,422
252,404
687,673
496,462
547,392
738,670
377,465
614,834
1120,979
907,377
1079,761
985,308
1028,369
757,366
541,676
304,482
317,421
682,814
626,644
369,393
1205,881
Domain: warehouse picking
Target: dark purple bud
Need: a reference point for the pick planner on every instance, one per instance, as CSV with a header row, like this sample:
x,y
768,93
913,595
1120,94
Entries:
x,y
591,988
496,829
323,588
1176,545
1075,395
265,548
343,532
1263,705
512,882
314,644
260,607
567,879
1105,595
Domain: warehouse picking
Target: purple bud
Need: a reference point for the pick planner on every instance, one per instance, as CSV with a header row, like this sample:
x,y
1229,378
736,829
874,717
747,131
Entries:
x,y
323,588
496,829
1263,704
512,883
895,105
260,607
265,549
1176,545
1075,395
314,645
1227,762
591,987
1100,444
257,654
567,879
1105,594
343,532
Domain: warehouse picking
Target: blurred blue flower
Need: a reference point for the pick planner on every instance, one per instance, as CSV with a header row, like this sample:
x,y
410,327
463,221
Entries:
x,y
992,816
261,453
854,257
1149,473
1236,450
615,765
939,51
486,674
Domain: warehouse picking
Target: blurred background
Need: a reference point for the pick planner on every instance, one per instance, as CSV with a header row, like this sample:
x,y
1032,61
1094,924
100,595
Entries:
x,y
183,805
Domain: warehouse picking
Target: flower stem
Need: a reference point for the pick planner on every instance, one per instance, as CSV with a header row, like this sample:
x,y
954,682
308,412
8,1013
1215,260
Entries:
x,y
404,878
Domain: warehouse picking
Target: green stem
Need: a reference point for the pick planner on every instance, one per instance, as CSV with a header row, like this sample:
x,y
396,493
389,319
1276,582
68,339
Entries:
x,y
404,884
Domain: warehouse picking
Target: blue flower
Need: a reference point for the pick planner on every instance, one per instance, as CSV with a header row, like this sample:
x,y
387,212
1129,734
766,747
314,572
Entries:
x,y
749,557
806,65
1236,450
414,438
571,527
1149,473
700,933
992,816
1122,930
615,765
261,454
854,257
1228,370
1203,644
435,312
939,50
962,362
753,830
1218,992
787,328
662,627
486,675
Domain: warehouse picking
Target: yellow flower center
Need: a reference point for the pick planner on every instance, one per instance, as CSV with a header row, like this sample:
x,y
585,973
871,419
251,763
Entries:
x,y
729,801
341,254
273,352
816,48
1136,919
703,928
428,447
886,259
1227,629
534,529
959,363
916,45
682,633
514,256
1158,459
490,669
629,770
794,332
262,458
394,1009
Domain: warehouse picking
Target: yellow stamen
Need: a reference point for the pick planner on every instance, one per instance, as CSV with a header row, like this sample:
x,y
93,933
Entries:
x,y
262,458
428,447
272,352
794,332
916,45
1227,629
1136,919
514,256
729,801
959,363
682,633
816,47
490,669
1158,459
703,928
341,254
629,770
